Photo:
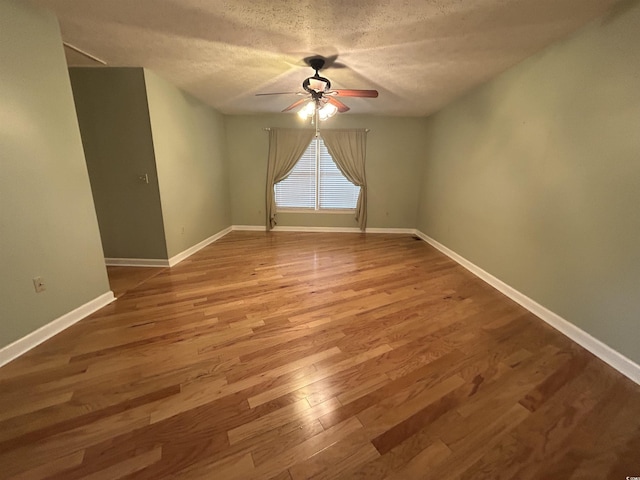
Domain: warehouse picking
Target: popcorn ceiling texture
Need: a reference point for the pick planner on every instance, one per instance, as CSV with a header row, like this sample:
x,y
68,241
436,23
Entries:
x,y
419,55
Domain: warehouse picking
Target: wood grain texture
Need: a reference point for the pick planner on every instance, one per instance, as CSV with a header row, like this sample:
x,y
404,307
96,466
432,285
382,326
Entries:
x,y
123,279
304,355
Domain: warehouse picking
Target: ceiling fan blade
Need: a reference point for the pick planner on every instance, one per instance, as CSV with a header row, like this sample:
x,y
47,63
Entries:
x,y
341,106
281,93
295,104
355,93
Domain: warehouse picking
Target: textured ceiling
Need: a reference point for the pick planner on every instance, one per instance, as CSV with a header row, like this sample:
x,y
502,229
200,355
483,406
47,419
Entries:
x,y
419,55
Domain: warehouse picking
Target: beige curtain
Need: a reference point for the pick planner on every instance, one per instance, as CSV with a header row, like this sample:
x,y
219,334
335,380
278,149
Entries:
x,y
348,149
286,146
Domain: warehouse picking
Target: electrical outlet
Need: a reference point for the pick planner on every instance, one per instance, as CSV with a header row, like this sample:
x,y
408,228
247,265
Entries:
x,y
38,284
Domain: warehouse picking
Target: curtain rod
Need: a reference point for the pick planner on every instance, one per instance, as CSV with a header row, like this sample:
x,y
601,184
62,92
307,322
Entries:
x,y
267,129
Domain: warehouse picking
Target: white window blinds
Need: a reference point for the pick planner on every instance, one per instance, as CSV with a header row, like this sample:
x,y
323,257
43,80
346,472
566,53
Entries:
x,y
316,183
298,190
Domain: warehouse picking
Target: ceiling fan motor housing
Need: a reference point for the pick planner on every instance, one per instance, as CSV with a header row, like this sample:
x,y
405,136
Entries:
x,y
316,85
319,89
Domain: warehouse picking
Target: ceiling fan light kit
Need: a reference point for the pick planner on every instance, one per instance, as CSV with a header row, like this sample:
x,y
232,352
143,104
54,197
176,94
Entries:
x,y
325,110
321,102
328,110
307,110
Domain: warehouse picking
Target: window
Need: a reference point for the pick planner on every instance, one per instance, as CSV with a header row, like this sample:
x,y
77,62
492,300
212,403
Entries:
x,y
316,183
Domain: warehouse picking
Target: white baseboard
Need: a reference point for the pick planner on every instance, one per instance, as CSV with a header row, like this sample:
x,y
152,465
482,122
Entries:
x,y
199,246
160,262
31,340
249,228
260,228
286,228
398,231
136,262
601,350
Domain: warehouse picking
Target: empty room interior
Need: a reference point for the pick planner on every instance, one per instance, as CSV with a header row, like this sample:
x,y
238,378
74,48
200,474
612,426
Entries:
x,y
331,240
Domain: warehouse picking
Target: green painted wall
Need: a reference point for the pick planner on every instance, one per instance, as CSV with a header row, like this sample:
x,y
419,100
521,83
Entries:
x,y
116,134
535,177
189,144
394,155
48,224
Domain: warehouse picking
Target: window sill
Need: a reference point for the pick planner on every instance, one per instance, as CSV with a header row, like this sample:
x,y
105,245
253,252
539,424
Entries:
x,y
344,211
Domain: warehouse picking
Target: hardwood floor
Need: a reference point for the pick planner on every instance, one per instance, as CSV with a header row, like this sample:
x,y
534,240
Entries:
x,y
296,356
123,279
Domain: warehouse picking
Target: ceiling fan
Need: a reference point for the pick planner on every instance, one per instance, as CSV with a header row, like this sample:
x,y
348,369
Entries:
x,y
320,100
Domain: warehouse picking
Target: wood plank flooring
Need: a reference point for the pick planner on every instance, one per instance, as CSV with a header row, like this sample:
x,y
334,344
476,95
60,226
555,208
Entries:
x,y
123,279
327,356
